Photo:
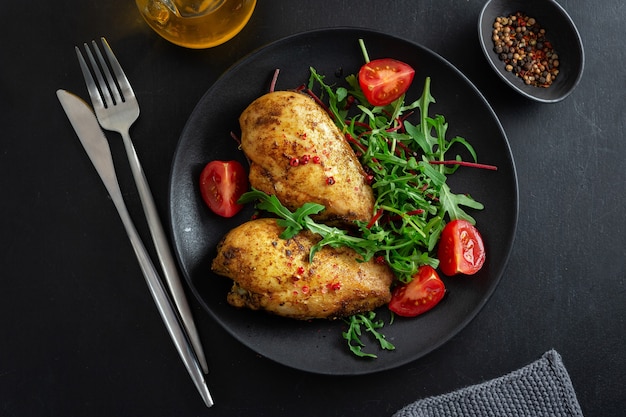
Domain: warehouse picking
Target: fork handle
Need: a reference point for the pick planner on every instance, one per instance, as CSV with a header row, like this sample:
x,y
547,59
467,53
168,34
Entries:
x,y
164,305
163,250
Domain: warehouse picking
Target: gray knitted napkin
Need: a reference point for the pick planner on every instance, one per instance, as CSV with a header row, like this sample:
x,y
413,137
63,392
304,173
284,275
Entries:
x,y
540,389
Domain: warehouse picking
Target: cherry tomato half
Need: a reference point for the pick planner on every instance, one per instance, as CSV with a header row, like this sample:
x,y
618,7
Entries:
x,y
221,185
461,249
384,80
418,296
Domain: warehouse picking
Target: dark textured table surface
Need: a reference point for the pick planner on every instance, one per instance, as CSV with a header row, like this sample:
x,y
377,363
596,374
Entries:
x,y
80,335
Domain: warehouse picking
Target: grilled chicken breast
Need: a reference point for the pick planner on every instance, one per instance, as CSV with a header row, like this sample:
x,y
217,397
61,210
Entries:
x,y
297,153
275,275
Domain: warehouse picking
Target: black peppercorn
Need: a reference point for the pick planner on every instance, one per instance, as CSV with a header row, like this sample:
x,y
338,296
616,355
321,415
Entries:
x,y
521,44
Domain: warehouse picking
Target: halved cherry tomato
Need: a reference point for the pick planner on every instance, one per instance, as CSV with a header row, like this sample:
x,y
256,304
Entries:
x,y
461,249
221,185
384,80
418,296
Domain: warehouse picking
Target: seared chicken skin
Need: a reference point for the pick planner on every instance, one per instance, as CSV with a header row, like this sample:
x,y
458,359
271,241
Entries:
x,y
297,153
275,275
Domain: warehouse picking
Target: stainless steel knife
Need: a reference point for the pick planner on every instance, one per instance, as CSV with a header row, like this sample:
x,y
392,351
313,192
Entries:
x,y
97,147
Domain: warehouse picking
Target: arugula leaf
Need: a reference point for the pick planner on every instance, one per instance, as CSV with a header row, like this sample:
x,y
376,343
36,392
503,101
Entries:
x,y
294,222
336,98
451,204
354,333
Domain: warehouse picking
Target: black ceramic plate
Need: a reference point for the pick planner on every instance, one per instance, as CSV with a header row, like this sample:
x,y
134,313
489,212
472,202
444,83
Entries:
x,y
317,346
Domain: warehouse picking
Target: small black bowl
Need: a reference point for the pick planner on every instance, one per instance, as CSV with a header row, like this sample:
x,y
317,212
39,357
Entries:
x,y
560,31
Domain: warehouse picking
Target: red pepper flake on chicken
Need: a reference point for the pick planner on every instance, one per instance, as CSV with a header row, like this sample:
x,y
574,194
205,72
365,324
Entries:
x,y
275,275
283,129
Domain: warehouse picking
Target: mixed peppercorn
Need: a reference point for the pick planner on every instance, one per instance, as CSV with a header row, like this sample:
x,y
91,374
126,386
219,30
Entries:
x,y
521,44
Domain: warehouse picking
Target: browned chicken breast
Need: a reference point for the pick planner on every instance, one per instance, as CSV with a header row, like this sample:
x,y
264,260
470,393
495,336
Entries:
x,y
275,275
297,153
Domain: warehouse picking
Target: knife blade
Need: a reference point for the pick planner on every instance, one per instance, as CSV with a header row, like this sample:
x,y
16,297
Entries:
x,y
96,145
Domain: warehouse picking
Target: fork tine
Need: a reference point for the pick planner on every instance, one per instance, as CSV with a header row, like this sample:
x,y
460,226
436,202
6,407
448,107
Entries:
x,y
124,84
105,89
102,87
96,98
104,69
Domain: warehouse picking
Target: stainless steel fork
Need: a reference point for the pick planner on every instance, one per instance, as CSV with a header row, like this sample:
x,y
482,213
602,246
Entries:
x,y
117,109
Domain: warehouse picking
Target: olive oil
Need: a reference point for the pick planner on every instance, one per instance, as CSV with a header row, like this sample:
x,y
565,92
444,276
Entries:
x,y
196,23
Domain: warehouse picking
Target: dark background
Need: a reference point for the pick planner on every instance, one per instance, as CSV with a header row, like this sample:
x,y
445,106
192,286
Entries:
x,y
80,335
